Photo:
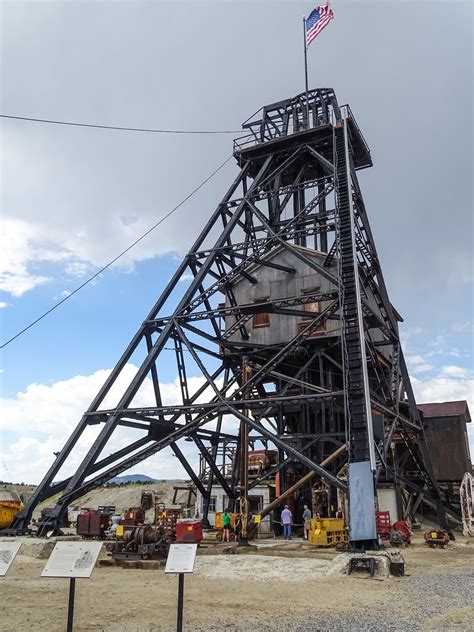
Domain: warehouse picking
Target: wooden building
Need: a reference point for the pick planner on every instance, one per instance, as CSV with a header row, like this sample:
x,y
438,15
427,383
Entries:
x,y
448,441
284,275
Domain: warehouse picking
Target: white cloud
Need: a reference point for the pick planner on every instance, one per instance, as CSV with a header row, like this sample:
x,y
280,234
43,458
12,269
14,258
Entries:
x,y
186,277
418,364
452,370
422,368
454,353
3,305
78,269
43,417
464,327
443,388
20,248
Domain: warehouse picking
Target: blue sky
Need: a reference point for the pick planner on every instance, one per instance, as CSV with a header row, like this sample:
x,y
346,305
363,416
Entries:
x,y
71,199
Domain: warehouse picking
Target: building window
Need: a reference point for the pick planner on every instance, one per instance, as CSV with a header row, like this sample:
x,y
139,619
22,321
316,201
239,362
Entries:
x,y
262,319
255,504
310,311
212,504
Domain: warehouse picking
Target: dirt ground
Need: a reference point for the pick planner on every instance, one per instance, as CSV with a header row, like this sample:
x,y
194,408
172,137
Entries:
x,y
283,587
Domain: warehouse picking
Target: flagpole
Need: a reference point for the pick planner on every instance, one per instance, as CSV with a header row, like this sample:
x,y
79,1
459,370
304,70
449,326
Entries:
x,y
306,70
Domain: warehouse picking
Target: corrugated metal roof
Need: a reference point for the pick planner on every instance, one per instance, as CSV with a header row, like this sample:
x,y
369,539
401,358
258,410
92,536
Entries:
x,y
445,409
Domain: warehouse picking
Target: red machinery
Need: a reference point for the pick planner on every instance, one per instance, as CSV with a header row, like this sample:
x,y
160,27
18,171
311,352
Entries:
x,y
93,524
398,533
188,530
382,522
436,537
401,526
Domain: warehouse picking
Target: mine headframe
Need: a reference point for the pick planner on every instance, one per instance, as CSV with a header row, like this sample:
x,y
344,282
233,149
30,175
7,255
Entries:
x,y
281,310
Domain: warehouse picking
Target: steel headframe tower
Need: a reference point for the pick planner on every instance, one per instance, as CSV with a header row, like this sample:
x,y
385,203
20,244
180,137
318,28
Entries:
x,y
336,379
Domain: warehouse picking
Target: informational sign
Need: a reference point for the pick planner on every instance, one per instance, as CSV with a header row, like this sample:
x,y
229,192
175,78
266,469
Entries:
x,y
8,551
181,558
72,559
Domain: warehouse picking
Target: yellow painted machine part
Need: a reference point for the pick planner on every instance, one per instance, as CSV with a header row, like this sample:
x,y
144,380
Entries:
x,y
328,524
8,510
327,531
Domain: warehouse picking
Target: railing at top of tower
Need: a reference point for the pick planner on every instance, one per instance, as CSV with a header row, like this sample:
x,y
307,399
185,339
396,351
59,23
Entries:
x,y
318,109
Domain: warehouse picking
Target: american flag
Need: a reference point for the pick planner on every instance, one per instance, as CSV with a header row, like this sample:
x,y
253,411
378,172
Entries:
x,y
317,20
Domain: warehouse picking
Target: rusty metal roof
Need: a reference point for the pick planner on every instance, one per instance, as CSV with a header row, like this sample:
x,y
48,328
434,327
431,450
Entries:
x,y
446,409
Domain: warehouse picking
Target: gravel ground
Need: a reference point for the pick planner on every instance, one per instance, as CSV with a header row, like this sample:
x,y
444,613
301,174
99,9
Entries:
x,y
270,591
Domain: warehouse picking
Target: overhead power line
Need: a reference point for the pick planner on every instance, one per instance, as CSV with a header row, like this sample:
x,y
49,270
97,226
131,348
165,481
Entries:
x,y
117,127
112,261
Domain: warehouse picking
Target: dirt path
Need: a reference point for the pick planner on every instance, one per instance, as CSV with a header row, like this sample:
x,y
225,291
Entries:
x,y
249,592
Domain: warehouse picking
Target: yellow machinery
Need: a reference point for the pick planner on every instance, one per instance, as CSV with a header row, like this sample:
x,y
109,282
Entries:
x,y
327,531
8,510
219,526
218,520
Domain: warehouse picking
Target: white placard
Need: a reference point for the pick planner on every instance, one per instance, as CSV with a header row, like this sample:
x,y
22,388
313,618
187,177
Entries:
x,y
8,551
72,559
181,558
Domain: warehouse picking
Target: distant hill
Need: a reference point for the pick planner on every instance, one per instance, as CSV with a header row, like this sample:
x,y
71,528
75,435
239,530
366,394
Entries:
x,y
131,478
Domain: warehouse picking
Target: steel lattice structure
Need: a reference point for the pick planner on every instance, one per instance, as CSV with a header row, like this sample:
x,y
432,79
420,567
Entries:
x,y
339,380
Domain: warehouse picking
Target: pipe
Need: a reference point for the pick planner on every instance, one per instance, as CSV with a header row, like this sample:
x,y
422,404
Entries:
x,y
310,475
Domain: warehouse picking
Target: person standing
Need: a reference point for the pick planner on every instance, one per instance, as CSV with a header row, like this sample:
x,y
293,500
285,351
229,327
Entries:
x,y
286,521
307,521
226,520
237,527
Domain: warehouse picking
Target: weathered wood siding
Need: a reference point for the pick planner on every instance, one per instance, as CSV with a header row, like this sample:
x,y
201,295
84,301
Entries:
x,y
277,284
449,447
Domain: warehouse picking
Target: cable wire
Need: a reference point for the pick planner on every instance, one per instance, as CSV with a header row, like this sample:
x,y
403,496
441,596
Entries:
x,y
112,261
116,127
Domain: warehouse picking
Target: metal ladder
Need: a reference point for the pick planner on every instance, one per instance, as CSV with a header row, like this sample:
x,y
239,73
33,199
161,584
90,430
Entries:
x,y
353,337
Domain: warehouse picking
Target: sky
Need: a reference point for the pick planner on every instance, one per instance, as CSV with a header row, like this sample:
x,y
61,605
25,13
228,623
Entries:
x,y
73,198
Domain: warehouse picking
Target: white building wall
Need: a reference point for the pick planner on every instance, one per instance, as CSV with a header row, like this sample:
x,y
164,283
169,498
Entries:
x,y
387,501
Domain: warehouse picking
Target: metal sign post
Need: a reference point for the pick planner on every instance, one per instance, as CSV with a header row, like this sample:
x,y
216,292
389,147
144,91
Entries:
x,y
181,560
179,623
72,560
70,608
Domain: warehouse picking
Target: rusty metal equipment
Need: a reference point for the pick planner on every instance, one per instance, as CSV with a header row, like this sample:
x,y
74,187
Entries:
x,y
363,564
436,538
401,527
191,492
144,542
147,500
134,516
396,538
93,524
397,568
261,460
189,530
166,518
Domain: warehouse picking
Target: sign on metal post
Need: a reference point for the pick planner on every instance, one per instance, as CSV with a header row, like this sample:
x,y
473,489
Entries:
x,y
8,552
72,560
181,560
